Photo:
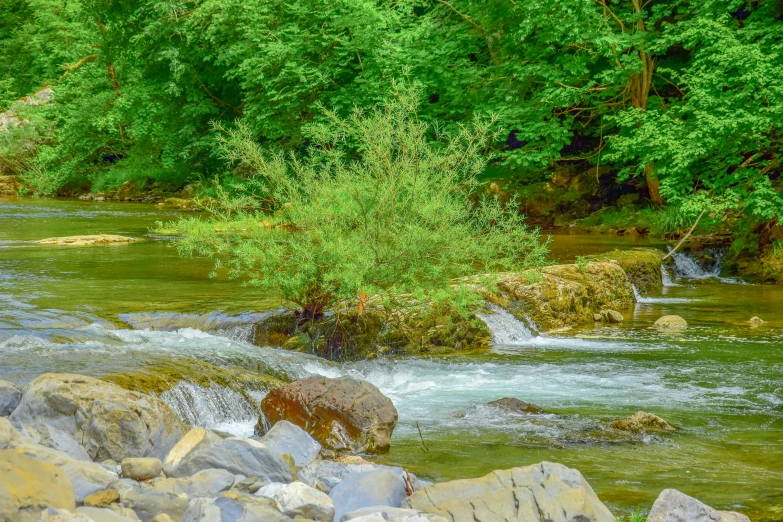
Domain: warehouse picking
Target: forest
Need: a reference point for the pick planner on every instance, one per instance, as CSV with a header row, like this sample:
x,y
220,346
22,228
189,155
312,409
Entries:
x,y
680,101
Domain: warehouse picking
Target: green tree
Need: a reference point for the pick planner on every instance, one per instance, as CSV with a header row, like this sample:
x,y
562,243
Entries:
x,y
374,208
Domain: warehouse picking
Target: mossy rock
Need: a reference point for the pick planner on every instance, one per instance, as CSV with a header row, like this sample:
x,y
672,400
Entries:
x,y
641,265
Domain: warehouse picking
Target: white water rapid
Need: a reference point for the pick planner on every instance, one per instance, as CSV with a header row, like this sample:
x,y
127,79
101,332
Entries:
x,y
506,329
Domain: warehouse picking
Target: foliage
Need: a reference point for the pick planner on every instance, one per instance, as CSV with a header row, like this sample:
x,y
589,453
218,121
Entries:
x,y
375,208
581,263
635,516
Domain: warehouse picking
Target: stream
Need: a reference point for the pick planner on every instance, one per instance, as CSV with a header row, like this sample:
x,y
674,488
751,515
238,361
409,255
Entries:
x,y
103,310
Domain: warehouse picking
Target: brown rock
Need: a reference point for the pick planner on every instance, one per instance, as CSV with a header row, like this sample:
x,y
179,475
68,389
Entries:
x,y
516,406
28,485
102,499
344,414
641,421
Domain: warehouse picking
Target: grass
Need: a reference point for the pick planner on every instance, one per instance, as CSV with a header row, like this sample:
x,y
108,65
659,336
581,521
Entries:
x,y
635,516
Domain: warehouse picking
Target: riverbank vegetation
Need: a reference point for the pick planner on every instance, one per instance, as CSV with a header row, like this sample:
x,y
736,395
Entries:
x,y
676,102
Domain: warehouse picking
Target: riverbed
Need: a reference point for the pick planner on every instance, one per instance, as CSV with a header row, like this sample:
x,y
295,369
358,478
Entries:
x,y
104,310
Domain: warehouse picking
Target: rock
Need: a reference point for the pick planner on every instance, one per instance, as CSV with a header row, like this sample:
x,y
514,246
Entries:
x,y
9,185
563,295
163,517
297,499
642,267
513,405
612,316
544,491
197,438
361,490
111,423
207,483
343,414
149,503
92,240
126,191
55,438
188,192
225,509
390,514
141,468
671,322
286,437
102,499
673,506
9,398
598,318
28,485
62,515
754,321
85,477
103,515
239,456
324,475
641,421
178,204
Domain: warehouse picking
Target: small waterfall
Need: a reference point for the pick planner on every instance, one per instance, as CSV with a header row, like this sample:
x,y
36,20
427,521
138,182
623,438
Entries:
x,y
666,278
212,406
506,329
687,267
242,333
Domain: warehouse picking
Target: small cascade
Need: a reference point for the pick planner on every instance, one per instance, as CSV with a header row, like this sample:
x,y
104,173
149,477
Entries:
x,y
666,278
242,333
506,329
686,267
212,406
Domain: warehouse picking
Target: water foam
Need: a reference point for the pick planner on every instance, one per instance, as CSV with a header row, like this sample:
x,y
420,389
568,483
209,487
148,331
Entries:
x,y
686,267
506,329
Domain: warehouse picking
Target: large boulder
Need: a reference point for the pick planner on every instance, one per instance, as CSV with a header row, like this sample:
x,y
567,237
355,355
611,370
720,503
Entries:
x,y
565,295
673,506
86,477
246,457
111,422
9,398
286,437
544,491
373,488
55,438
28,485
642,266
343,414
196,439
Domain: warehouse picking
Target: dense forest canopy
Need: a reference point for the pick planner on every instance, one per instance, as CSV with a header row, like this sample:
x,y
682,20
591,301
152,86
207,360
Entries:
x,y
685,97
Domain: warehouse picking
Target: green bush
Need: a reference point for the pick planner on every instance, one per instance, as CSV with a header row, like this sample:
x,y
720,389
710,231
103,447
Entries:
x,y
382,204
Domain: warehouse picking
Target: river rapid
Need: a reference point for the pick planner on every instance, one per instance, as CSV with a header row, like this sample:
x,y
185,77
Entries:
x,y
104,310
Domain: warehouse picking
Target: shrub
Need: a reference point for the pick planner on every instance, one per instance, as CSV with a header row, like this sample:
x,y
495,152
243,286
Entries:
x,y
376,208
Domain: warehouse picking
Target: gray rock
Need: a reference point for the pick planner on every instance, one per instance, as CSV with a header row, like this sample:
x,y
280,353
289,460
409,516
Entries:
x,y
163,517
109,421
390,514
324,475
195,439
102,515
543,491
207,483
286,437
228,510
372,488
28,485
52,437
297,499
9,398
673,506
141,469
149,503
86,477
239,456
51,514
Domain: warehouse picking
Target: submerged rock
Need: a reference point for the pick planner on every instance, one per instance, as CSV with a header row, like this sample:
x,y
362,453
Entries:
x,y
92,240
544,491
671,322
28,485
673,506
111,423
756,321
514,405
641,421
343,414
9,398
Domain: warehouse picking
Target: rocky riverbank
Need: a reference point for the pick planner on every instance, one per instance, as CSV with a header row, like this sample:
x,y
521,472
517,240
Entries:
x,y
76,449
559,296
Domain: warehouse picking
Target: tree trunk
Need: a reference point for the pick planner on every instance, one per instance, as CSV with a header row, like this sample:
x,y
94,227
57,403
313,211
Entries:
x,y
653,184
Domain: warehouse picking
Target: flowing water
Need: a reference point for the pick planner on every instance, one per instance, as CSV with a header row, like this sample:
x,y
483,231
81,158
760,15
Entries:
x,y
106,310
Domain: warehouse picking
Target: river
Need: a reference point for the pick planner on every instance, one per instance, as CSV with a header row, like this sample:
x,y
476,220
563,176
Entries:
x,y
105,310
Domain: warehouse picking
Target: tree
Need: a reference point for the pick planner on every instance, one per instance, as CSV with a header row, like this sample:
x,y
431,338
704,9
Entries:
x,y
375,208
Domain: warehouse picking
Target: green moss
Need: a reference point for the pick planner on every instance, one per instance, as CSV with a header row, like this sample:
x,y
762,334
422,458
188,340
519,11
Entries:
x,y
641,265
